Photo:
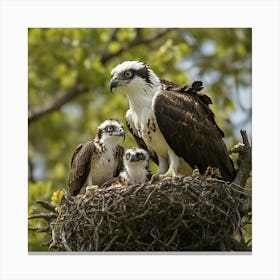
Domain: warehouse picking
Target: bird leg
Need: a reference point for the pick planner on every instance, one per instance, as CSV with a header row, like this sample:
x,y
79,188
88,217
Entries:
x,y
172,171
169,174
174,163
162,167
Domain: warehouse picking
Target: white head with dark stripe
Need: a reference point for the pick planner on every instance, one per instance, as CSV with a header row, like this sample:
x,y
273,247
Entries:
x,y
134,75
136,166
110,132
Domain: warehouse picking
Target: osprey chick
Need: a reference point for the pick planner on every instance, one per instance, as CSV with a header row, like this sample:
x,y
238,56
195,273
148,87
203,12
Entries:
x,y
136,166
175,124
97,160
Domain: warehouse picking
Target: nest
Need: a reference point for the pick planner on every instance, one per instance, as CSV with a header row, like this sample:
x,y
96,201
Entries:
x,y
182,214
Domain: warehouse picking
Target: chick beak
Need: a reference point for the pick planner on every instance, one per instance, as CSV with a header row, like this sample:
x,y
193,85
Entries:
x,y
133,158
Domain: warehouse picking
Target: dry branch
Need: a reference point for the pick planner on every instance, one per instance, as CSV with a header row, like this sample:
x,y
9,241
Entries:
x,y
38,229
45,216
60,99
244,160
47,205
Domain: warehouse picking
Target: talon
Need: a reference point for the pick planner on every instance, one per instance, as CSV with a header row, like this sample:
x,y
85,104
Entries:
x,y
168,175
165,178
195,172
93,188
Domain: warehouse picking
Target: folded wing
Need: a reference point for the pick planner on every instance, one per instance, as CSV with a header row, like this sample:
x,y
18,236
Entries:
x,y
188,125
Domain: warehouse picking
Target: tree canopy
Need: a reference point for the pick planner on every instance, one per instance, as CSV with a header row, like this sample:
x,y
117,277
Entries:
x,y
68,86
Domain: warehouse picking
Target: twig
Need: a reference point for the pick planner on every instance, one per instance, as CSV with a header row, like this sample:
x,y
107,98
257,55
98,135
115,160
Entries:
x,y
46,205
47,217
140,216
37,229
109,245
64,242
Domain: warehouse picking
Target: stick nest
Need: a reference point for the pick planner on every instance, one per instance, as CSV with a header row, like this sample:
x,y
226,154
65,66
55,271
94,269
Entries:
x,y
182,214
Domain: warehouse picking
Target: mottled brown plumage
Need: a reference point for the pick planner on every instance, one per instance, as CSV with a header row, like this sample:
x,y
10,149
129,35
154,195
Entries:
x,y
97,160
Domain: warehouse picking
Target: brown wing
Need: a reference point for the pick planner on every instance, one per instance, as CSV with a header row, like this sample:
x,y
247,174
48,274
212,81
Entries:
x,y
168,84
78,148
119,157
80,166
189,127
140,142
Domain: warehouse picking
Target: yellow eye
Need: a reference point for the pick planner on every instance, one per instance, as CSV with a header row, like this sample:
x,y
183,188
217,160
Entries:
x,y
128,74
110,128
140,156
127,156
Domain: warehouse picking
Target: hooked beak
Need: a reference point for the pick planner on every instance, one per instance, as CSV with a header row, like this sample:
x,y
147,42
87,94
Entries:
x,y
122,134
114,83
133,158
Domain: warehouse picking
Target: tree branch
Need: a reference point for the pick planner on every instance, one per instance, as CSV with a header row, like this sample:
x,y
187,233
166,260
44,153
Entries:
x,y
244,161
47,205
59,100
45,216
37,229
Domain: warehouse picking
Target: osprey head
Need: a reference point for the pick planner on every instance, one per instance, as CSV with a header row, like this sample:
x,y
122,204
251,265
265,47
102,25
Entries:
x,y
136,156
110,131
131,75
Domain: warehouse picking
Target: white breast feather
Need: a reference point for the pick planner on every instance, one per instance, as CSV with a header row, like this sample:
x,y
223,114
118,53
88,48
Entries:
x,y
136,175
139,124
103,169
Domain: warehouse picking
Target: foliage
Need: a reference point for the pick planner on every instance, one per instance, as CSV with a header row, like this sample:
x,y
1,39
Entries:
x,y
39,190
61,60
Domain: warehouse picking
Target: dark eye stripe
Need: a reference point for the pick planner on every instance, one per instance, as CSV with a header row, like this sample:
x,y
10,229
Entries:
x,y
144,74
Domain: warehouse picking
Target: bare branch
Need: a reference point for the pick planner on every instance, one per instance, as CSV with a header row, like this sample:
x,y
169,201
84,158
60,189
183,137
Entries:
x,y
60,99
37,229
46,205
244,160
47,217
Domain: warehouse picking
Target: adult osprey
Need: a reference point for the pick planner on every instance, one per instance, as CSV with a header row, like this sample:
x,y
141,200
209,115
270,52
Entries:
x,y
175,124
97,160
136,166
